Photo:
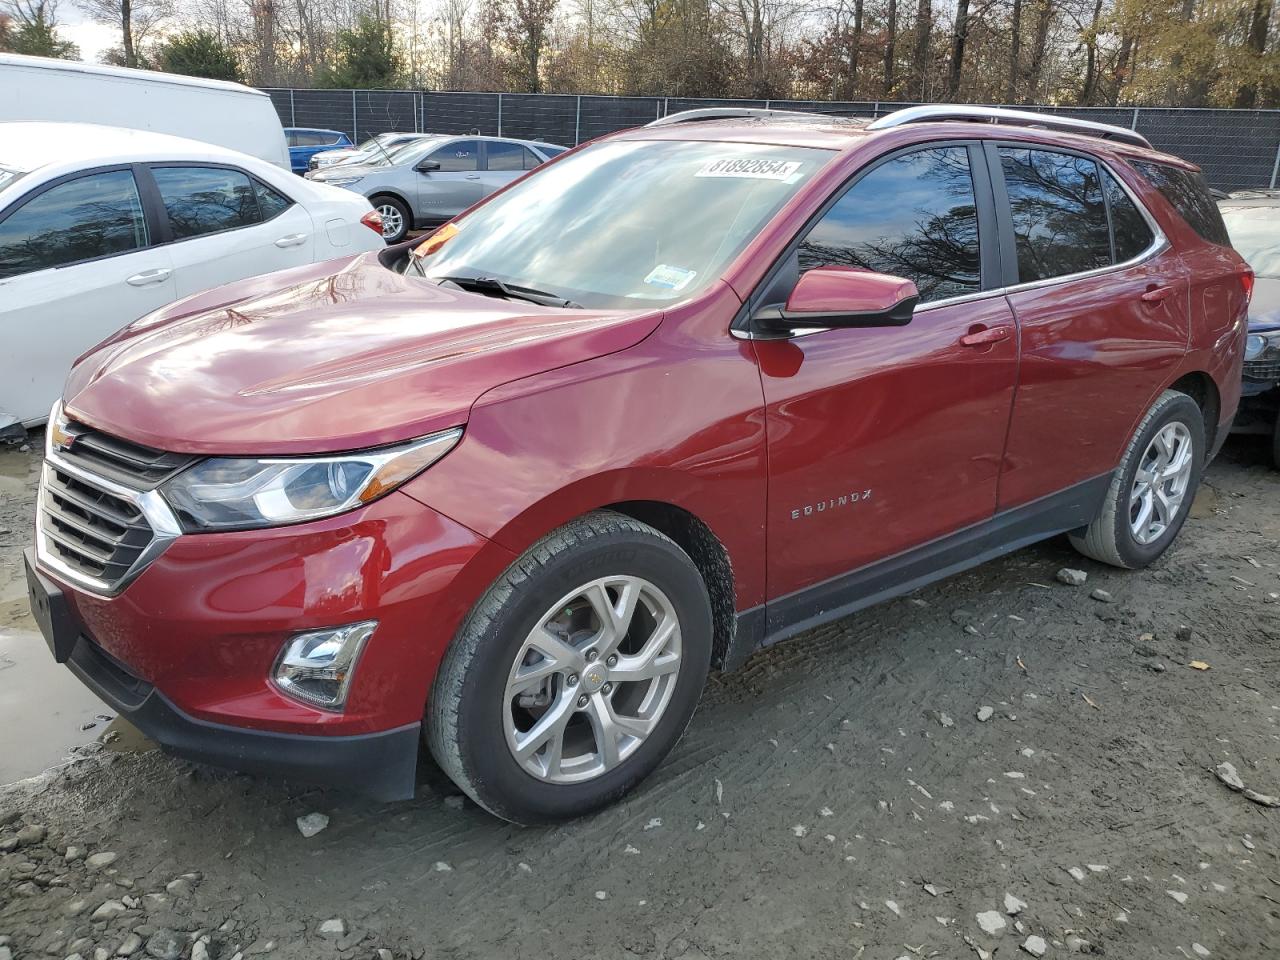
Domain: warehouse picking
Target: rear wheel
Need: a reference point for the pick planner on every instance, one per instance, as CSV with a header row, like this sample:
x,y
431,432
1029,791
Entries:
x,y
575,674
396,218
1152,489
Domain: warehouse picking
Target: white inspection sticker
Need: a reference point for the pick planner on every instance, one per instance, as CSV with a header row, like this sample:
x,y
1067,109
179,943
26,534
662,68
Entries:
x,y
749,168
670,278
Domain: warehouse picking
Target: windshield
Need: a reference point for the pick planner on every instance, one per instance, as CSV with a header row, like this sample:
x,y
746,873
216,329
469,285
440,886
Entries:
x,y
1256,237
627,221
395,156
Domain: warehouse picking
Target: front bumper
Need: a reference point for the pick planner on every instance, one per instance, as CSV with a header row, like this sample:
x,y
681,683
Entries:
x,y
382,764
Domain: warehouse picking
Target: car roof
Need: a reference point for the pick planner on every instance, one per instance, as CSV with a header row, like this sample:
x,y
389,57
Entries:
x,y
124,73
29,146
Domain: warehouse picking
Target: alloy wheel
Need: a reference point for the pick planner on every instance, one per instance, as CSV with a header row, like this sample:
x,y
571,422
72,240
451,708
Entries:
x,y
1160,484
392,221
592,679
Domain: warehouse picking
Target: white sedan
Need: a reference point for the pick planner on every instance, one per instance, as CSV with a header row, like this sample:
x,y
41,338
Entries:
x,y
101,225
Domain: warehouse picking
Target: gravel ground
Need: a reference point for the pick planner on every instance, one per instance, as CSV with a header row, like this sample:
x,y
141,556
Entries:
x,y
997,765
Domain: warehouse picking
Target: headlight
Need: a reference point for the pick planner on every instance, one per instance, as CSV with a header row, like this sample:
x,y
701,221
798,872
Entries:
x,y
342,181
1254,345
243,494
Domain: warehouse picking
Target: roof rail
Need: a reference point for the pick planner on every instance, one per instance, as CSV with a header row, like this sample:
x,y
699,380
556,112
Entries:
x,y
730,113
935,112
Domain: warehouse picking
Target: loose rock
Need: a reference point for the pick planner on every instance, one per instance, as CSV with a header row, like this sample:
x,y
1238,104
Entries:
x,y
1035,945
1071,577
332,929
312,824
985,714
1012,905
992,922
100,861
165,945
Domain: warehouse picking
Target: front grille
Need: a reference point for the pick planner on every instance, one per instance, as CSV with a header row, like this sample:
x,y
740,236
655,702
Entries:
x,y
129,464
1264,369
94,533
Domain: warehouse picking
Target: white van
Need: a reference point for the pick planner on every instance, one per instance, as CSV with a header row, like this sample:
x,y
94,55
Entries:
x,y
213,111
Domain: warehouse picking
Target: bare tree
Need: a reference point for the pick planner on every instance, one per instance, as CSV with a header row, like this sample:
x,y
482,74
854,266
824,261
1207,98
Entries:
x,y
137,21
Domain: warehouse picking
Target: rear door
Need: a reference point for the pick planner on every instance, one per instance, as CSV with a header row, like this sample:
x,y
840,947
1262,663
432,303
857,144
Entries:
x,y
1101,300
503,162
883,439
447,190
224,225
77,262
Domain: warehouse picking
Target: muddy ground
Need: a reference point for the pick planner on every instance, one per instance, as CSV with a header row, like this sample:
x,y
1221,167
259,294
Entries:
x,y
837,798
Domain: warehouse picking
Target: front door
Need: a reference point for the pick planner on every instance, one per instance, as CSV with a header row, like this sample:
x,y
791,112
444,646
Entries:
x,y
445,191
76,264
884,439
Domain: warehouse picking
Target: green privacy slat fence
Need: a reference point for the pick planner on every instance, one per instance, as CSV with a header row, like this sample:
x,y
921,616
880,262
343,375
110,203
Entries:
x,y
1236,148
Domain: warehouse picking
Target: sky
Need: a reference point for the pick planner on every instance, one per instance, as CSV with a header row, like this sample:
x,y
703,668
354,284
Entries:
x,y
91,38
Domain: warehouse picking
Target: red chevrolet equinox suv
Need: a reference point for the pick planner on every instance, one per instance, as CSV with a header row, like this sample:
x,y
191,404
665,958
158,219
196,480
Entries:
x,y
682,393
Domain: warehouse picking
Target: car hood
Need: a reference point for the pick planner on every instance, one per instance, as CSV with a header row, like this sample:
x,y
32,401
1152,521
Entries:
x,y
1264,305
328,357
346,171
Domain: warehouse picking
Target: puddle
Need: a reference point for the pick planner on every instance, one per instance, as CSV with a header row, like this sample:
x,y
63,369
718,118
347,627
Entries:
x,y
42,708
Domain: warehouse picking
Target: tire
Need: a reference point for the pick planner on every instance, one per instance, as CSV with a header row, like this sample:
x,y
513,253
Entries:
x,y
393,211
474,722
1111,537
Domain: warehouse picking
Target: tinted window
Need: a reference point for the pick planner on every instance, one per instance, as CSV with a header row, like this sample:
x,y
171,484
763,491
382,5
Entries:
x,y
1189,195
551,151
94,216
912,217
457,157
1128,226
532,160
270,202
507,156
291,138
202,200
1059,218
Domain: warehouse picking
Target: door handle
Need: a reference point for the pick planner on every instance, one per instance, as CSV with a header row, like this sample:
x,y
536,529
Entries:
x,y
473,176
292,240
148,277
1157,294
984,337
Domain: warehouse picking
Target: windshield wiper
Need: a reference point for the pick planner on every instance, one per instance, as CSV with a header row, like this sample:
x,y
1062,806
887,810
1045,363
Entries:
x,y
510,291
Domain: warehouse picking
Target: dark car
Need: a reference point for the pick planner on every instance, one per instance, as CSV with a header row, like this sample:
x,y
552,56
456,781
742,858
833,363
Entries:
x,y
305,142
686,391
1253,221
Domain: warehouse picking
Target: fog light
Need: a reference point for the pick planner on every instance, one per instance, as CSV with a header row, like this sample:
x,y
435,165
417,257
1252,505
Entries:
x,y
316,667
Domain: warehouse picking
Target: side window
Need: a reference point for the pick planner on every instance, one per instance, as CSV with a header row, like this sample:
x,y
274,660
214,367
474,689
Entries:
x,y
461,156
271,203
95,216
202,200
1059,218
505,156
914,217
292,138
1189,195
532,160
1129,227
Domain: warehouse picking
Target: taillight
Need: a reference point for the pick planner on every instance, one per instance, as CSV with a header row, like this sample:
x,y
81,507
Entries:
x,y
373,220
1246,281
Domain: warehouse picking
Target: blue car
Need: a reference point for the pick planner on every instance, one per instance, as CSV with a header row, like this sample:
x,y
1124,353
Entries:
x,y
1250,217
306,142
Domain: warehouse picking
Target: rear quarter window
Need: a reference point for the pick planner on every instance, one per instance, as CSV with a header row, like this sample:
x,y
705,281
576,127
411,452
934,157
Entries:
x,y
1189,195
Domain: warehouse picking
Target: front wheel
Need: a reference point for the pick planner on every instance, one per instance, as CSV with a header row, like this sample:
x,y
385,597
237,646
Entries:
x,y
1152,489
396,218
575,674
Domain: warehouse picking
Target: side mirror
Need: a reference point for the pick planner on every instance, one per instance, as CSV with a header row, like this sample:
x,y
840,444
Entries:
x,y
426,166
844,297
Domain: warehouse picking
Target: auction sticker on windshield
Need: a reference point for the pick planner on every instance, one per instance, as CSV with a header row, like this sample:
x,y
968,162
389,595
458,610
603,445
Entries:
x,y
670,278
750,168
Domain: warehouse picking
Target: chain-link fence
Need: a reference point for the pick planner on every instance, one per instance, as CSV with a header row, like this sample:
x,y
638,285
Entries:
x,y
1236,148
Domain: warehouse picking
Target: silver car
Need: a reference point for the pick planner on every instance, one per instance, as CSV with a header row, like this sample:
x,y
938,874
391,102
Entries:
x,y
432,180
368,150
